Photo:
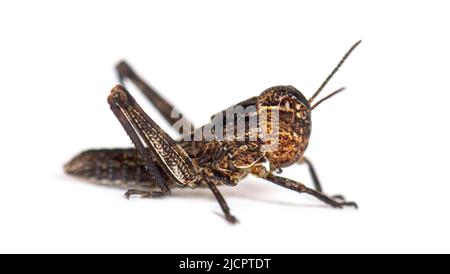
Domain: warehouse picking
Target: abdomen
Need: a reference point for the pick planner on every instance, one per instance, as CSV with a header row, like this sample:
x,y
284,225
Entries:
x,y
117,167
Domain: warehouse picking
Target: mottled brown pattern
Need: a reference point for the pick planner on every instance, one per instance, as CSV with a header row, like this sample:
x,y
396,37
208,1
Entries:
x,y
229,158
273,127
291,136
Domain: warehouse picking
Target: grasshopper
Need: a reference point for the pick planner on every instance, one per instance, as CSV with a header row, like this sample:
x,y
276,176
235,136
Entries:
x,y
268,133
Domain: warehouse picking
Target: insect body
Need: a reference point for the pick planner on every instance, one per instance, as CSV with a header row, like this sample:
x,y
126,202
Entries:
x,y
270,132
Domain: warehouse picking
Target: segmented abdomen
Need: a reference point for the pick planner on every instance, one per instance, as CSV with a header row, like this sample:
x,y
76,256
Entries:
x,y
119,167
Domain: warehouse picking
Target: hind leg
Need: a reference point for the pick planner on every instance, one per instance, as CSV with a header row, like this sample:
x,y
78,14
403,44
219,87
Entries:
x,y
167,110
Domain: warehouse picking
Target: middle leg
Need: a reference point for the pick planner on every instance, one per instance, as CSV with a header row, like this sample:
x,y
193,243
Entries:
x,y
223,204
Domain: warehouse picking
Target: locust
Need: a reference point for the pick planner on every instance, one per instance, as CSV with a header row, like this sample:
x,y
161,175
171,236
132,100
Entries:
x,y
259,136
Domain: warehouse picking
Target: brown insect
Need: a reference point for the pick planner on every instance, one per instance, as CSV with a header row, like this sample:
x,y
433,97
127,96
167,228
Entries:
x,y
270,134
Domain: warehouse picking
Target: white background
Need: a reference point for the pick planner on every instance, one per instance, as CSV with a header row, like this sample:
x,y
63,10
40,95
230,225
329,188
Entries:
x,y
383,142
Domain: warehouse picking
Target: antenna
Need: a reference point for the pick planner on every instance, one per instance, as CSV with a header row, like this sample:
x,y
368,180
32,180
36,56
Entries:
x,y
332,74
326,97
